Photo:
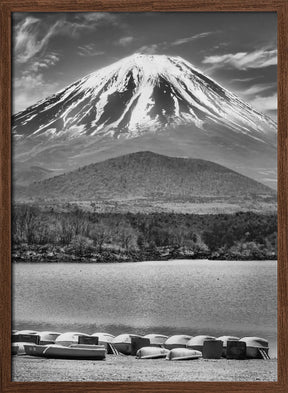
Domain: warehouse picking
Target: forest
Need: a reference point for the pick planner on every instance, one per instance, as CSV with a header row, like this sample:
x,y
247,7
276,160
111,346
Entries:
x,y
54,235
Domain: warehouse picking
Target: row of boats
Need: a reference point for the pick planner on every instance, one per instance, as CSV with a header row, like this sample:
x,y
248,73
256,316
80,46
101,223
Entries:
x,y
76,345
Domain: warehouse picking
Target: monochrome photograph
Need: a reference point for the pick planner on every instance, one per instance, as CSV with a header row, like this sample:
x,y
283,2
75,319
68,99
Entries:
x,y
144,196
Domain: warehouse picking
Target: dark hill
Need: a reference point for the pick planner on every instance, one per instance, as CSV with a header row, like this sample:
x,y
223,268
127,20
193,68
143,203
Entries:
x,y
149,176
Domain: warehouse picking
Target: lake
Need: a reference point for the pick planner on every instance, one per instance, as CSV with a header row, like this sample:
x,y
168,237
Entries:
x,y
169,297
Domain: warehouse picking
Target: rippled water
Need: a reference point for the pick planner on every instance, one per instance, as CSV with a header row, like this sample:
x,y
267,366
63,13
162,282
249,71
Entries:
x,y
168,297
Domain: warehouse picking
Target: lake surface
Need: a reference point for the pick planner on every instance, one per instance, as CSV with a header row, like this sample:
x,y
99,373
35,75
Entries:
x,y
169,297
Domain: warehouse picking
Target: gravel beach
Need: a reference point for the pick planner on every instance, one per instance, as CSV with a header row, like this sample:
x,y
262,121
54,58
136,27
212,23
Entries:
x,y
127,368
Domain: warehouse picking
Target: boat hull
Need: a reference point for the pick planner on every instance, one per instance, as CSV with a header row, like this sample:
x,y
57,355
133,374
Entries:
x,y
255,353
76,353
151,353
34,350
125,348
14,350
256,347
183,354
225,339
177,341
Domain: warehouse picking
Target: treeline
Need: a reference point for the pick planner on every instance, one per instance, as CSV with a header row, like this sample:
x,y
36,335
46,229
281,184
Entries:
x,y
41,235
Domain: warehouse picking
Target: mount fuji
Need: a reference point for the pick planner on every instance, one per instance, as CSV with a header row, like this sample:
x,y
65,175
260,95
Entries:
x,y
143,102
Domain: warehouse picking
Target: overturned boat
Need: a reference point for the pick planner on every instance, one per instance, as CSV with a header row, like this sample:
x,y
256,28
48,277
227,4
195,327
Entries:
x,y
128,344
256,347
48,337
156,339
225,339
151,353
197,342
68,338
75,351
22,337
34,349
183,354
106,340
177,341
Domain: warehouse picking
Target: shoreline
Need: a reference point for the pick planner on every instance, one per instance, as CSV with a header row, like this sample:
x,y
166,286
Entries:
x,y
51,254
127,368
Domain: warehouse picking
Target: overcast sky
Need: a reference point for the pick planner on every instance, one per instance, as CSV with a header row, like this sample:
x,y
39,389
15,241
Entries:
x,y
238,50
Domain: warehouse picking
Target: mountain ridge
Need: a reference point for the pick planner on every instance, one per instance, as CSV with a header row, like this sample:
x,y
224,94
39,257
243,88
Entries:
x,y
144,102
149,179
135,94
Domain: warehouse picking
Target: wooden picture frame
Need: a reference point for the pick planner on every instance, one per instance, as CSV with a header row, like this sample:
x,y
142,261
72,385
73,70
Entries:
x,y
9,6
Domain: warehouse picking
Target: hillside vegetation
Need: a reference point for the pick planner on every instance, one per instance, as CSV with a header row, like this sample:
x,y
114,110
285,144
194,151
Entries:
x,y
40,235
150,177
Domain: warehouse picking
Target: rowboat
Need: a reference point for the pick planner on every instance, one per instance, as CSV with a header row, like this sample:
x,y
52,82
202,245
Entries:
x,y
156,339
256,347
21,338
183,354
75,351
48,337
123,343
177,341
34,349
225,339
197,342
68,338
151,353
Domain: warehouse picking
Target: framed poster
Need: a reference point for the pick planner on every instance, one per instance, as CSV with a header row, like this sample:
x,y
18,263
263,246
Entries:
x,y
143,210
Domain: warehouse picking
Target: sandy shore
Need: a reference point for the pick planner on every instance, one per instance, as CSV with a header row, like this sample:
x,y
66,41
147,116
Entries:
x,y
127,368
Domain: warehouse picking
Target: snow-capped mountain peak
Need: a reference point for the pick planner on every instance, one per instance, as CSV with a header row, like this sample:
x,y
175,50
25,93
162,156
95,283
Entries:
x,y
141,94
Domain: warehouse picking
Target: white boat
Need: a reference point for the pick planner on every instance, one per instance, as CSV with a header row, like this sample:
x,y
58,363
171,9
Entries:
x,y
177,341
34,349
22,337
48,337
106,340
183,354
14,349
123,343
104,337
68,338
156,339
25,332
151,353
225,339
256,347
75,351
197,342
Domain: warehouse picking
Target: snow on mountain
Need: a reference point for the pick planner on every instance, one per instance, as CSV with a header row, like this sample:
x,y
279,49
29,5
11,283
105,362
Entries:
x,y
140,94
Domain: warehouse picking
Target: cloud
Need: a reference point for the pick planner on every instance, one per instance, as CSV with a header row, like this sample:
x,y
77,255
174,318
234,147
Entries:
x,y
264,104
125,40
261,96
32,34
186,40
97,17
258,88
45,62
89,50
30,39
243,60
245,79
150,49
160,46
30,88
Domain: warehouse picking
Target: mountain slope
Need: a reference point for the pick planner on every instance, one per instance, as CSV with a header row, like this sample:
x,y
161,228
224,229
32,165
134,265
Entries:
x,y
145,102
136,94
150,177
